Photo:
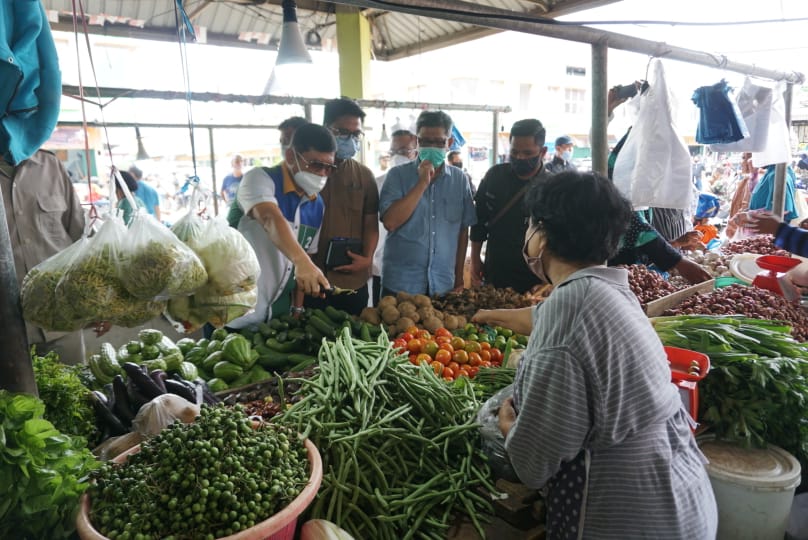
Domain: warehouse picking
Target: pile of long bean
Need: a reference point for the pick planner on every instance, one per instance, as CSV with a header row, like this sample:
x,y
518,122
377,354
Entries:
x,y
400,447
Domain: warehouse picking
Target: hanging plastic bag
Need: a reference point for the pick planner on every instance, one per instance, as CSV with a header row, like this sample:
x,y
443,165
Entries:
x,y
229,259
720,120
190,228
755,105
157,265
190,313
778,142
653,167
493,442
41,305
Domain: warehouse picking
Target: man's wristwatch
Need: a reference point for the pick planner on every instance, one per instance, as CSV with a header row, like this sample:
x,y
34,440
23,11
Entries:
x,y
297,309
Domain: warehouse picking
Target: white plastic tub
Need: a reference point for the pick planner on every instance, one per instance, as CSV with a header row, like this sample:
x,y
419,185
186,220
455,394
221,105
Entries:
x,y
754,489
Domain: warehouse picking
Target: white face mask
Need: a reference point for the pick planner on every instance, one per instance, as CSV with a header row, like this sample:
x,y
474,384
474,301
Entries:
x,y
566,155
309,182
398,159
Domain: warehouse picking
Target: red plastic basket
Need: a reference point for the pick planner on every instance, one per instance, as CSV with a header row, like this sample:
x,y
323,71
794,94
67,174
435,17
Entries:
x,y
687,369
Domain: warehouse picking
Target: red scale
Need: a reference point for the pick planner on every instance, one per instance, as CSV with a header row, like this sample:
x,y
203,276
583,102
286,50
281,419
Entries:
x,y
774,270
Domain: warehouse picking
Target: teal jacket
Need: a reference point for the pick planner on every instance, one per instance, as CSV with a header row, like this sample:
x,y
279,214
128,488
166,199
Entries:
x,y
30,80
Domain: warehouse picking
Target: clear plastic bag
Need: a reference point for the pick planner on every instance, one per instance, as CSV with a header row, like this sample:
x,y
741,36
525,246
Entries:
x,y
190,228
189,313
156,264
41,305
151,419
493,442
229,260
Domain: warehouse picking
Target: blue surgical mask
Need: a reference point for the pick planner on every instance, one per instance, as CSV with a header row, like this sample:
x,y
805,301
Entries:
x,y
347,147
436,155
566,155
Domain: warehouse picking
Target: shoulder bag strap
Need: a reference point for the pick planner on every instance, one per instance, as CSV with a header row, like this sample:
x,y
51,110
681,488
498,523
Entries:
x,y
508,206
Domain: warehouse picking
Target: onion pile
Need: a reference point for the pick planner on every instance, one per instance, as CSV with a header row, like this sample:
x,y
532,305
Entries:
x,y
750,302
762,245
646,284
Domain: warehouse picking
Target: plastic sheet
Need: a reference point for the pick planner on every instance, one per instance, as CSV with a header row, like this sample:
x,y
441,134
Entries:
x,y
493,442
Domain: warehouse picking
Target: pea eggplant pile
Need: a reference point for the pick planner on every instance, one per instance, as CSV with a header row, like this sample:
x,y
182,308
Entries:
x,y
757,389
205,480
400,446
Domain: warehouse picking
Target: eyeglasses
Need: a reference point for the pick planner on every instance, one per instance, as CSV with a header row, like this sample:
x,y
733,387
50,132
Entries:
x,y
315,166
403,152
344,133
431,143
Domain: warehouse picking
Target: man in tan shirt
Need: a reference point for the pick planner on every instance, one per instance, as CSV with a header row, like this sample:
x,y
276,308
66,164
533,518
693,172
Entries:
x,y
44,217
351,210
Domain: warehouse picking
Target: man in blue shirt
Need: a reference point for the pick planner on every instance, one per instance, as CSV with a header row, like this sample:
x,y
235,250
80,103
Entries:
x,y
146,193
232,180
426,207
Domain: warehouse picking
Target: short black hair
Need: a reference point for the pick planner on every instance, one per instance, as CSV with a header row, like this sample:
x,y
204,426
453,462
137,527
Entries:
x,y
131,183
337,108
313,137
582,215
434,119
293,122
529,127
403,133
137,173
452,154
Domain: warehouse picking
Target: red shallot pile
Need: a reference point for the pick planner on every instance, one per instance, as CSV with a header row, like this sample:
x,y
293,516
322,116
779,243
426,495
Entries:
x,y
762,245
646,284
750,302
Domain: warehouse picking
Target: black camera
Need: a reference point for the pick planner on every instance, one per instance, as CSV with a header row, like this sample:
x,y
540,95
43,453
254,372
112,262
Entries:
x,y
627,91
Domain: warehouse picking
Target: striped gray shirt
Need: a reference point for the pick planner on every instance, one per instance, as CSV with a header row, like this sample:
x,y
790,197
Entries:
x,y
595,377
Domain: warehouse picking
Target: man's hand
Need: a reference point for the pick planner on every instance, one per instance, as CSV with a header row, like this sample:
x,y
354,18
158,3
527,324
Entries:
x,y
426,172
691,240
476,270
309,278
762,222
360,262
692,272
506,416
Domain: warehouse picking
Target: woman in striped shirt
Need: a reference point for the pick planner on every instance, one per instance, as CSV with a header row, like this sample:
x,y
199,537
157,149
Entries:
x,y
595,420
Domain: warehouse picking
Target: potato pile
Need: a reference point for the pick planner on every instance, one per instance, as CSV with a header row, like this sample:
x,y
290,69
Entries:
x,y
404,310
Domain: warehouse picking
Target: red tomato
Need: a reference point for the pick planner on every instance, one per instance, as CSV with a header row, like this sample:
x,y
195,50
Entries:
x,y
415,345
430,348
485,355
437,367
446,347
485,364
448,373
413,359
475,359
473,371
485,346
454,366
413,330
424,335
400,344
496,355
448,379
458,343
443,356
461,357
473,347
442,332
423,357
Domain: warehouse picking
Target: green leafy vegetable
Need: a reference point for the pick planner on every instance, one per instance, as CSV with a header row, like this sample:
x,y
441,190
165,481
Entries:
x,y
42,472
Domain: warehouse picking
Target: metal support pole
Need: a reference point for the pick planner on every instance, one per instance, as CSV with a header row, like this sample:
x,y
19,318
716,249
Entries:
x,y
16,371
495,138
600,114
307,111
779,192
213,173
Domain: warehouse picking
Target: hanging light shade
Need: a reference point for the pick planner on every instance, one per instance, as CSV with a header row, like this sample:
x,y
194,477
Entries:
x,y
141,150
384,137
293,56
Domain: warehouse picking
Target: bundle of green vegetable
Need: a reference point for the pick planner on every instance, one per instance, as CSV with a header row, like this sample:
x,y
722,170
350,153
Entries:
x,y
757,389
491,380
209,479
67,401
159,269
42,472
400,446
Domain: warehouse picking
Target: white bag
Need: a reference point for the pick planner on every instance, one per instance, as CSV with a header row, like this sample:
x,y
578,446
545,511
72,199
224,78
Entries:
x,y
755,105
778,144
653,168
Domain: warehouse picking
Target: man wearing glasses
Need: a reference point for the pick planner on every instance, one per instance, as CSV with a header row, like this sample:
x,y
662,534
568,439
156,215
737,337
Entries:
x,y
351,211
283,212
427,209
402,151
502,218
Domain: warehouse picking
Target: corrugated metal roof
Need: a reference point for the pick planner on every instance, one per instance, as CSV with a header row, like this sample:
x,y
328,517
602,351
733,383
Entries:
x,y
257,23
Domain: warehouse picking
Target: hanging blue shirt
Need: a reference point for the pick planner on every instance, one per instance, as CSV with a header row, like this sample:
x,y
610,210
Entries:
x,y
419,256
762,195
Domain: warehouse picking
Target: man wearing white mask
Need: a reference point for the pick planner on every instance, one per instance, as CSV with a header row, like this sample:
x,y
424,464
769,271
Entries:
x,y
402,150
283,213
562,159
351,213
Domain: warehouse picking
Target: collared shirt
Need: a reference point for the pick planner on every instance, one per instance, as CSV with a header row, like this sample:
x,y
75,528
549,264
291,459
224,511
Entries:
x,y
595,376
419,256
43,213
349,195
504,264
305,216
557,165
230,187
148,195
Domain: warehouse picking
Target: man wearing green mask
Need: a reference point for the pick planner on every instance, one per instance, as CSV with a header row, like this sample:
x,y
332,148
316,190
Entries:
x,y
427,209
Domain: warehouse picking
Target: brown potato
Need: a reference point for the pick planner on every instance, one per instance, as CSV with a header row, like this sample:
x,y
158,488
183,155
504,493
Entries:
x,y
422,300
391,315
370,315
403,296
403,324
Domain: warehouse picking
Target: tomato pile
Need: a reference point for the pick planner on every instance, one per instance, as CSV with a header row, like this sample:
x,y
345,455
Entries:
x,y
450,356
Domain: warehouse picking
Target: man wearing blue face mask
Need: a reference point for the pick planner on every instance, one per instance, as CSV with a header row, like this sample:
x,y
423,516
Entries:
x,y
562,158
351,212
502,218
427,209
